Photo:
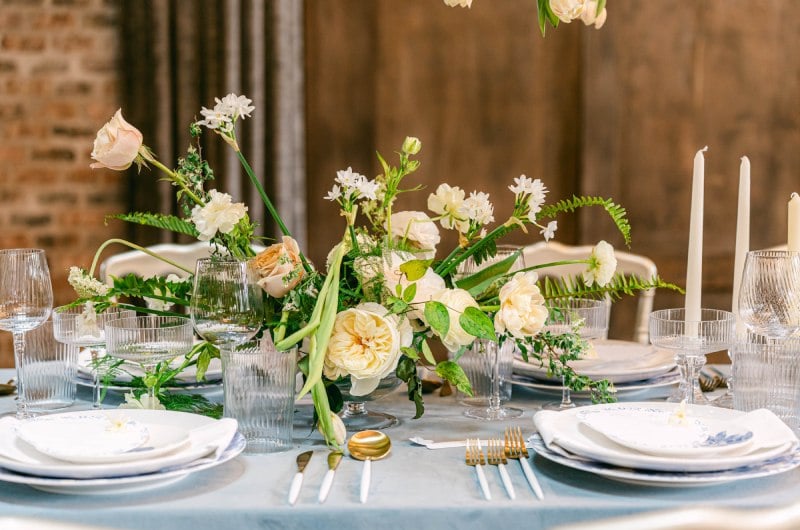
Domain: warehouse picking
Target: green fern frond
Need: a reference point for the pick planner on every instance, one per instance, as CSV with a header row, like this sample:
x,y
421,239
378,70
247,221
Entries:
x,y
575,287
157,220
617,212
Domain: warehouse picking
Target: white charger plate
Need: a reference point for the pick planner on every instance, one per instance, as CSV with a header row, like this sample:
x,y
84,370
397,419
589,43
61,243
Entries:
x,y
582,441
660,432
642,477
660,386
129,484
16,455
618,361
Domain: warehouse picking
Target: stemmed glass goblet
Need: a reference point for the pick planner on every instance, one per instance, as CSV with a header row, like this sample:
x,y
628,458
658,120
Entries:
x,y
691,341
584,317
80,326
227,304
26,300
149,340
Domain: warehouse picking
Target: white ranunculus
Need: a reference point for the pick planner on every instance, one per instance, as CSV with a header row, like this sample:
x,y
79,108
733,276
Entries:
x,y
602,265
447,203
568,10
417,228
219,214
456,301
365,344
117,144
455,3
590,16
522,311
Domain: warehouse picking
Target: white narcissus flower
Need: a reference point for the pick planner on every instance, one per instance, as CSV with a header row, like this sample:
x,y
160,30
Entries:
x,y
477,208
447,202
279,267
85,285
365,344
602,265
456,301
567,10
549,231
417,228
590,16
219,214
117,144
522,311
455,3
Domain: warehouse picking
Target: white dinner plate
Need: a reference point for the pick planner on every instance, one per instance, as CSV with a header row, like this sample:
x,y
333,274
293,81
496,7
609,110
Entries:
x,y
130,369
660,432
16,455
129,484
655,387
618,361
770,467
569,433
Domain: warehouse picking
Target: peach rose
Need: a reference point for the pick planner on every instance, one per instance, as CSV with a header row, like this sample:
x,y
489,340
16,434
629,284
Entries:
x,y
117,144
279,267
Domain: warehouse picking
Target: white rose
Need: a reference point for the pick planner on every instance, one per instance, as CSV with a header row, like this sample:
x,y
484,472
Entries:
x,y
279,267
219,214
456,301
417,228
568,10
462,3
590,16
426,287
365,344
602,265
117,144
522,311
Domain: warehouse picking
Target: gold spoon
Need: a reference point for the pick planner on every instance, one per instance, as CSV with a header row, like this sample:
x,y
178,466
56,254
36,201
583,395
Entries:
x,y
368,446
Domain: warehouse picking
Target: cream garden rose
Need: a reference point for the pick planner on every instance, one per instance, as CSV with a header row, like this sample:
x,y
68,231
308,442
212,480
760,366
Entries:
x,y
365,344
279,267
416,228
117,144
219,214
522,311
456,301
568,10
426,287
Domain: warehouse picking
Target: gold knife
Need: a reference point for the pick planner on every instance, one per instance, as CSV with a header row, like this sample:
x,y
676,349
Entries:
x,y
297,481
333,462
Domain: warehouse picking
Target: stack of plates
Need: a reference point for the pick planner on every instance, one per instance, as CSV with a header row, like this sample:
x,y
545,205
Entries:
x,y
112,451
667,443
184,381
635,369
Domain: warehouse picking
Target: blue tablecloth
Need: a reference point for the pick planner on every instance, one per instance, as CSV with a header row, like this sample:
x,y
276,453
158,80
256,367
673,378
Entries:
x,y
414,488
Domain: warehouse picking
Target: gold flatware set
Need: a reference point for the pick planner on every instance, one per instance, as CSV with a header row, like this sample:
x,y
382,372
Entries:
x,y
498,452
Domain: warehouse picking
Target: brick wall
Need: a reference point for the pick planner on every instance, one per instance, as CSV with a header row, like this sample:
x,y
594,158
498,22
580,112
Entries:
x,y
58,85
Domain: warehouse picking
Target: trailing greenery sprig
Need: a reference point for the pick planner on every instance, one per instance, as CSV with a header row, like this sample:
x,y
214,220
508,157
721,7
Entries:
x,y
157,220
617,212
576,287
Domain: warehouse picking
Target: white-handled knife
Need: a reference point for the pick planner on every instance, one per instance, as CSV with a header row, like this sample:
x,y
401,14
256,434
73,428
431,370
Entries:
x,y
333,462
297,481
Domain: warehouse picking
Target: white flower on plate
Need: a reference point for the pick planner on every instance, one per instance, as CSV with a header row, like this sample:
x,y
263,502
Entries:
x,y
144,402
477,208
85,285
456,301
549,231
416,228
365,344
602,265
446,203
522,310
220,214
590,16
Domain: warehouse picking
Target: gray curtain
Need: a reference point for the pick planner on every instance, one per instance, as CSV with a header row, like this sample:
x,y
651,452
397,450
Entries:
x,y
176,57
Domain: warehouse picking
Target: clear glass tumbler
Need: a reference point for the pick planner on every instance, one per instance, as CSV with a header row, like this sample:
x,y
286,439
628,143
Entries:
x,y
50,369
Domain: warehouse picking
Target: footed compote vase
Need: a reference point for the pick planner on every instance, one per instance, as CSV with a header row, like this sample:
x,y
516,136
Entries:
x,y
355,414
691,340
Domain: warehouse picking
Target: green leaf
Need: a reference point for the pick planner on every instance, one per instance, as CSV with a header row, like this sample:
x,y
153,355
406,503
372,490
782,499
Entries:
x,y
415,268
411,353
410,293
489,274
427,353
438,317
406,368
451,371
157,220
617,213
477,323
541,4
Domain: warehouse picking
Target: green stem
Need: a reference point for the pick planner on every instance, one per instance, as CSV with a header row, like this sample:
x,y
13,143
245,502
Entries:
x,y
450,263
176,179
136,247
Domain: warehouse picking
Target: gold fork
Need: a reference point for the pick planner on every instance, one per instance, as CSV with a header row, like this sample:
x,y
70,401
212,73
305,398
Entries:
x,y
474,457
496,456
515,448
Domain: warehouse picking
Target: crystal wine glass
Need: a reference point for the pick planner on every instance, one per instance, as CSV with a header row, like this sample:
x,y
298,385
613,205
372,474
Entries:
x,y
149,340
355,414
227,303
769,296
26,300
584,317
501,355
691,341
81,326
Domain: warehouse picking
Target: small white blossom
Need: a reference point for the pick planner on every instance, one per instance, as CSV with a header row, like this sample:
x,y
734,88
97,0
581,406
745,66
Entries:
x,y
353,186
85,285
522,185
447,203
549,231
367,189
334,194
219,214
478,209
347,179
236,106
602,265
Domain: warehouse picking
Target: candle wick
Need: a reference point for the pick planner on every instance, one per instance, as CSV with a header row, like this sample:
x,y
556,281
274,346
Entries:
x,y
704,148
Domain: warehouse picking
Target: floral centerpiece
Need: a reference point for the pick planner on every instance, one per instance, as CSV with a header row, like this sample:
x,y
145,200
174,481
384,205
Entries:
x,y
386,292
590,12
